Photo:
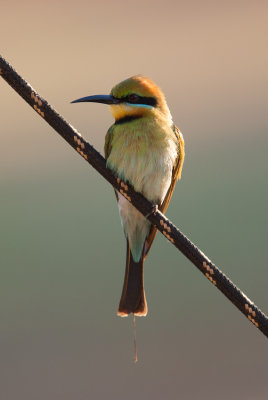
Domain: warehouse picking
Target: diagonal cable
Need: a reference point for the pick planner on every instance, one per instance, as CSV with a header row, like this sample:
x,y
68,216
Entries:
x,y
173,234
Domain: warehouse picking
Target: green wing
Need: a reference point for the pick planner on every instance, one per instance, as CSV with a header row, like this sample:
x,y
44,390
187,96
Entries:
x,y
107,148
176,174
108,140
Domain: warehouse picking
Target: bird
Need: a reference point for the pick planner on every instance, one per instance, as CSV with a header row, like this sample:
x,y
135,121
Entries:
x,y
145,148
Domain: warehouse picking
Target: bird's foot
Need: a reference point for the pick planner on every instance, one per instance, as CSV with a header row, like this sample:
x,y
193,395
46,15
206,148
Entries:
x,y
153,211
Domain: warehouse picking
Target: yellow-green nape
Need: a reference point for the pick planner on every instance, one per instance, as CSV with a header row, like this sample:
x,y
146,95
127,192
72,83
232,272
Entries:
x,y
141,86
150,102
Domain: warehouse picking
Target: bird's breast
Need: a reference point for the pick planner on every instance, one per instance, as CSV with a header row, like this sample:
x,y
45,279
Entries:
x,y
144,154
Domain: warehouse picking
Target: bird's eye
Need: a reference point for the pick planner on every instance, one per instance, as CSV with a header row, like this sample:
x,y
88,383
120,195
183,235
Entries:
x,y
133,98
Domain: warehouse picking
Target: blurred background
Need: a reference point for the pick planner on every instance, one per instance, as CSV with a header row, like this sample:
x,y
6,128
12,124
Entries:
x,y
62,249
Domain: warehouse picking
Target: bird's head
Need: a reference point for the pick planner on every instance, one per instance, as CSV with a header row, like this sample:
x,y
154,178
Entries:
x,y
134,97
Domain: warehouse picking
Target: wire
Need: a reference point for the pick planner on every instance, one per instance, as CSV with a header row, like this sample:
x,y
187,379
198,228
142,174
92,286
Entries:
x,y
173,234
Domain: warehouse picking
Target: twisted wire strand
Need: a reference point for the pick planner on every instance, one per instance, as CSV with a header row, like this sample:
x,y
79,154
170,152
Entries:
x,y
171,232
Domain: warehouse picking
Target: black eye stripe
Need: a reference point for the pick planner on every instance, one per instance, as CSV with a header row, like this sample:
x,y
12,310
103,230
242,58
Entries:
x,y
150,101
133,98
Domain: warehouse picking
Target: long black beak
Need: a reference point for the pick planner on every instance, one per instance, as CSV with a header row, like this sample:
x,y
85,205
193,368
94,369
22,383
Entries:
x,y
105,99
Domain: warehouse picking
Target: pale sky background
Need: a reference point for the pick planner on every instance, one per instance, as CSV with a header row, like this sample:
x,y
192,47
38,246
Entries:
x,y
62,251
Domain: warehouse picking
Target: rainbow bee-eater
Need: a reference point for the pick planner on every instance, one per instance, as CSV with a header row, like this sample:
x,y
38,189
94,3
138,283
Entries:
x,y
145,148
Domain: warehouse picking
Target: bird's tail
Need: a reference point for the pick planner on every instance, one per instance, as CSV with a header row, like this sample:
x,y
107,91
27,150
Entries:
x,y
133,296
